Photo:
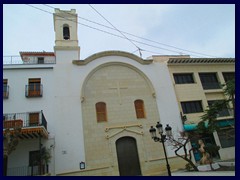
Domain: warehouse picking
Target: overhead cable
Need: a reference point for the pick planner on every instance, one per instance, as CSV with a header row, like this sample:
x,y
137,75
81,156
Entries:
x,y
107,32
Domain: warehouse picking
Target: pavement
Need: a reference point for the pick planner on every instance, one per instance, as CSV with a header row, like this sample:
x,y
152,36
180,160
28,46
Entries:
x,y
205,173
218,172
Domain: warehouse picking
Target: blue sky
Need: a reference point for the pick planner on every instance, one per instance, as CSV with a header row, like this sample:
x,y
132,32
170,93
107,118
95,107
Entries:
x,y
200,30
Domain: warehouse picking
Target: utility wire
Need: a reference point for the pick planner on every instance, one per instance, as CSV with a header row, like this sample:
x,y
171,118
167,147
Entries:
x,y
194,52
115,28
103,30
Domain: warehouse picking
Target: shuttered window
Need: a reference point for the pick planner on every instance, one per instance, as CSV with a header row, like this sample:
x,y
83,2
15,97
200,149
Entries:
x,y
183,78
101,111
33,119
139,108
209,81
34,87
228,76
224,111
192,107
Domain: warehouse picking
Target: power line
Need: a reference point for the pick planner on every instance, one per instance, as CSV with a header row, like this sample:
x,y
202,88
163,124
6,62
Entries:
x,y
144,38
115,28
194,52
105,31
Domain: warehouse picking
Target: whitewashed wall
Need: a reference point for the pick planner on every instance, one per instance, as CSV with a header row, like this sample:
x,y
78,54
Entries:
x,y
17,103
68,80
61,102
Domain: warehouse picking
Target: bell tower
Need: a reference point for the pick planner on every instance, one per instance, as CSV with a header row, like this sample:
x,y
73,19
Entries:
x,y
65,27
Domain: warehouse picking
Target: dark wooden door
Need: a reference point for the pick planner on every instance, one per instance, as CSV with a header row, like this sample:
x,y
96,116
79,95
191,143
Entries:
x,y
127,154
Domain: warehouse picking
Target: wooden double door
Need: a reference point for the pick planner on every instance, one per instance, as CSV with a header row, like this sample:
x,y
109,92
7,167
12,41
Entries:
x,y
127,155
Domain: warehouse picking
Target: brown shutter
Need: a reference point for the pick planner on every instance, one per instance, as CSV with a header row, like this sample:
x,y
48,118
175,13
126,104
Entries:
x,y
139,107
101,111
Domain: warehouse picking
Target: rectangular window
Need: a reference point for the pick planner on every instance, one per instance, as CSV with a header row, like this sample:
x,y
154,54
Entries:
x,y
34,158
33,119
34,88
101,110
228,76
183,78
223,112
40,60
5,89
192,107
227,137
139,108
209,81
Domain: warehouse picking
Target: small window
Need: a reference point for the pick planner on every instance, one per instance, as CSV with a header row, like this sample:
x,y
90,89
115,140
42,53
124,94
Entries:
x,y
34,88
33,119
186,78
101,111
66,32
228,76
209,81
192,107
139,108
5,89
40,60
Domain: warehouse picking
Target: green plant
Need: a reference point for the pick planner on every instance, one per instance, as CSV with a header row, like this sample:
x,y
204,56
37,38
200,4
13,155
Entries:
x,y
45,155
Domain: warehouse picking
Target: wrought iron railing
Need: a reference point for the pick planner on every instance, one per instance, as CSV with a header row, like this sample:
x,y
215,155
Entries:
x,y
34,90
27,119
27,171
17,60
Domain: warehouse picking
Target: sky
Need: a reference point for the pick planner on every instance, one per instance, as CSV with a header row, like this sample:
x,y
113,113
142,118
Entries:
x,y
198,30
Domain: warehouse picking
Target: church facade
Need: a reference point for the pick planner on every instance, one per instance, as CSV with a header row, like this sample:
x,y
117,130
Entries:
x,y
98,110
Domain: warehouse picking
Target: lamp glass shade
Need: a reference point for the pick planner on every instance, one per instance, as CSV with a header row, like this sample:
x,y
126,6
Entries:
x,y
152,131
168,130
159,128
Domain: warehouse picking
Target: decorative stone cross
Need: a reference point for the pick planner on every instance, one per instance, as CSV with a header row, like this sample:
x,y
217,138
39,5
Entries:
x,y
118,88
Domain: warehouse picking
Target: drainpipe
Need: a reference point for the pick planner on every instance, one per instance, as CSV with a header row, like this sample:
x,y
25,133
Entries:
x,y
40,152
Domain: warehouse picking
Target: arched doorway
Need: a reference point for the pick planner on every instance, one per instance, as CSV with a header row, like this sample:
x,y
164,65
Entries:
x,y
127,155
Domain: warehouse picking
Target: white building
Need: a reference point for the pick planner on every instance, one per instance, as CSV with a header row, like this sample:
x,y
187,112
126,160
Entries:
x,y
98,110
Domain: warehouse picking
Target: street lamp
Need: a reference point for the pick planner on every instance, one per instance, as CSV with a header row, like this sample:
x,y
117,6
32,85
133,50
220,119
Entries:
x,y
162,139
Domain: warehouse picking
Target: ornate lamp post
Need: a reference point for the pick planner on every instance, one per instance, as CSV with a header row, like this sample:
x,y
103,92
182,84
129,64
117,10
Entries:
x,y
162,139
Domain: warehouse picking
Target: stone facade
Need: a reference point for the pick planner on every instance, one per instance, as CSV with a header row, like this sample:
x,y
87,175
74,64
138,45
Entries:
x,y
195,91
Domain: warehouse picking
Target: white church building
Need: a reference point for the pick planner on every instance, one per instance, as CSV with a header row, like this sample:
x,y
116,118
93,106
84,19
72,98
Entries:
x,y
91,115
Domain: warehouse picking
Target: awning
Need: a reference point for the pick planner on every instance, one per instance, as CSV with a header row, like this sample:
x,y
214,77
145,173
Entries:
x,y
221,123
31,132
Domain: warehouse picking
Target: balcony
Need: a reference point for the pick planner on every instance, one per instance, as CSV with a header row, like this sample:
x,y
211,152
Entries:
x,y
32,124
34,90
5,91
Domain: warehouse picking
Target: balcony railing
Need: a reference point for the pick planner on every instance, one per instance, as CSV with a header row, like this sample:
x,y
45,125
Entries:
x,y
211,85
27,171
34,90
17,60
28,119
5,91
